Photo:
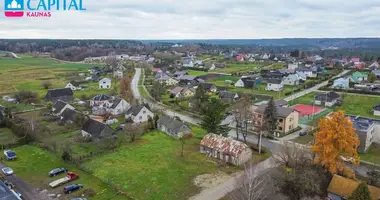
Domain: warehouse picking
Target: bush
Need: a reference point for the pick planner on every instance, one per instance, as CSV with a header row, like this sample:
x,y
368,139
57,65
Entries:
x,y
27,97
46,84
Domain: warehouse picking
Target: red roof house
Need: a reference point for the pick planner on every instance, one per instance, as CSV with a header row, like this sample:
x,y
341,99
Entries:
x,y
355,60
240,58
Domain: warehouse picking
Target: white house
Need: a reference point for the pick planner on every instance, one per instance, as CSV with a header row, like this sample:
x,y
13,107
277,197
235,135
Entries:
x,y
118,73
73,85
105,83
266,56
59,107
139,113
292,65
291,79
275,84
117,106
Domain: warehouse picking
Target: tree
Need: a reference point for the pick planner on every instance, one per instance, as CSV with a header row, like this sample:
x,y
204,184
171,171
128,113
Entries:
x,y
371,77
270,117
242,115
133,131
200,97
151,125
182,138
126,89
80,119
155,119
336,138
46,84
213,115
361,193
49,106
157,90
66,156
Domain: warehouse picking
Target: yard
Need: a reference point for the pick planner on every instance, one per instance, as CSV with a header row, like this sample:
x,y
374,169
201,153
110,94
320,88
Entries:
x,y
152,167
373,155
359,105
306,99
238,67
6,136
33,165
261,90
197,73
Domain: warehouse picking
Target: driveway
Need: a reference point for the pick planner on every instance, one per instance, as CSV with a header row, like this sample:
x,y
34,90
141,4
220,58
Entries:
x,y
25,189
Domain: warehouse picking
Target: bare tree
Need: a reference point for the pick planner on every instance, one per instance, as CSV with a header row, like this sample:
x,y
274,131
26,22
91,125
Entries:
x,y
242,115
133,131
291,156
183,137
251,185
46,84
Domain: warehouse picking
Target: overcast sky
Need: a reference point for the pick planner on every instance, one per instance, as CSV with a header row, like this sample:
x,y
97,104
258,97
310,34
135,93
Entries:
x,y
202,19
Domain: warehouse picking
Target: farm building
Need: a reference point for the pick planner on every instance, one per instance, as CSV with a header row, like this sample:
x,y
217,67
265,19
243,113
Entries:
x,y
226,149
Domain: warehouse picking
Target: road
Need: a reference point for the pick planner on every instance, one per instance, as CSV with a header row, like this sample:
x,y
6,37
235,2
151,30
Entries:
x,y
312,89
25,189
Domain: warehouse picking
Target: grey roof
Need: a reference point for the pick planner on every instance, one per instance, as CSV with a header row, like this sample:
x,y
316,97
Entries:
x,y
274,81
58,106
162,76
68,114
101,97
5,193
222,88
281,111
376,107
180,73
135,109
115,102
249,82
95,128
329,96
173,124
226,94
281,102
60,92
176,90
376,72
187,61
208,86
305,70
74,83
188,77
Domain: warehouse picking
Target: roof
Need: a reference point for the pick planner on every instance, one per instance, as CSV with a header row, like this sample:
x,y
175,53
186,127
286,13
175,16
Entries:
x,y
173,124
58,106
179,73
5,193
249,82
226,94
226,145
74,83
60,92
355,59
329,96
101,97
360,75
69,114
281,111
105,79
115,102
162,76
274,81
95,128
376,107
187,61
176,90
281,102
376,72
135,109
208,86
344,187
188,77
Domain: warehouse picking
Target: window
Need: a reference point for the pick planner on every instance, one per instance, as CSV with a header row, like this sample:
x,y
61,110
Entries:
x,y
140,117
144,112
259,115
280,120
279,128
290,127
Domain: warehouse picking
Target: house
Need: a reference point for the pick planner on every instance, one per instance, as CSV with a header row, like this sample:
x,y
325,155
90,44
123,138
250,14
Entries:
x,y
274,85
265,56
228,96
68,116
353,60
287,119
327,99
225,149
209,87
139,113
198,63
59,107
281,103
96,129
188,62
341,83
179,74
94,78
105,83
117,106
310,72
73,85
63,94
94,71
210,66
301,76
176,92
247,82
271,74
377,73
291,79
187,80
376,110
118,73
156,70
368,131
182,92
172,126
341,188
359,65
240,58
358,77
163,78
374,65
99,99
292,65
220,65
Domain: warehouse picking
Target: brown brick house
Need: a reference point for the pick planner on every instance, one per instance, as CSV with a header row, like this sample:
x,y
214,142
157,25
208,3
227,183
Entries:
x,y
287,119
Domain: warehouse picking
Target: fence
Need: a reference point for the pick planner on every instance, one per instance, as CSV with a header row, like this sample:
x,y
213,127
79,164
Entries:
x,y
308,119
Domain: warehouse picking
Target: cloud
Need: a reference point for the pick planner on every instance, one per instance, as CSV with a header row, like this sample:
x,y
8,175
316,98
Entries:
x,y
202,19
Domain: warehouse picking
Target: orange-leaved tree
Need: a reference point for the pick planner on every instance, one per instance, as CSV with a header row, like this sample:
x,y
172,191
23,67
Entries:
x,y
335,139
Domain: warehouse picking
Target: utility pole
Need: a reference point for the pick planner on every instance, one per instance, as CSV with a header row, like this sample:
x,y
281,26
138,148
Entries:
x,y
260,139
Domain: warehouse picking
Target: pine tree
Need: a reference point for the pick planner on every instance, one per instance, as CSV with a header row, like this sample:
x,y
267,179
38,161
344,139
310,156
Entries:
x,y
200,97
361,193
270,117
213,114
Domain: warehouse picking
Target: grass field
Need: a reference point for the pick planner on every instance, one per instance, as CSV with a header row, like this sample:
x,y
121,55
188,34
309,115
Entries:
x,y
28,73
153,169
6,136
373,155
306,99
197,73
261,90
33,165
359,105
238,67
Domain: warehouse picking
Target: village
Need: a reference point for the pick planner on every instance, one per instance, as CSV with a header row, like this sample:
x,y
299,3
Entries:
x,y
127,121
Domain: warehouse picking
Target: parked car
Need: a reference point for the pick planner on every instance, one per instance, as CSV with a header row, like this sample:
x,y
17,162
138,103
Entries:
x,y
302,133
71,188
7,171
10,155
57,171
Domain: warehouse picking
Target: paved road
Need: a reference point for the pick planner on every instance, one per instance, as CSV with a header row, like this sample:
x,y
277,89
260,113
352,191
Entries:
x,y
25,189
304,92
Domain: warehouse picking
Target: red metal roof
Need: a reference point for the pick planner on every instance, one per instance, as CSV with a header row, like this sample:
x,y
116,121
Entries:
x,y
225,145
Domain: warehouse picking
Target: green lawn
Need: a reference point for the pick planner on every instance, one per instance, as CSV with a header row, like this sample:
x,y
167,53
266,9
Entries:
x,y
33,165
238,67
152,167
197,73
261,90
373,155
6,136
359,105
307,140
306,99
221,81
17,107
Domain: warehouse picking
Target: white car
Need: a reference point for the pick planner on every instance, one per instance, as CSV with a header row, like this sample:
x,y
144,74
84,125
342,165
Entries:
x,y
7,171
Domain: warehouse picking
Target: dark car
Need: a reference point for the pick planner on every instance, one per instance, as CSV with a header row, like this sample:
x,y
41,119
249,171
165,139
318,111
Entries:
x,y
57,171
302,133
71,188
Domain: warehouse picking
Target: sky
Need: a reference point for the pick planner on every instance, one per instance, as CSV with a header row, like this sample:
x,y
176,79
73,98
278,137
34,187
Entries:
x,y
202,19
